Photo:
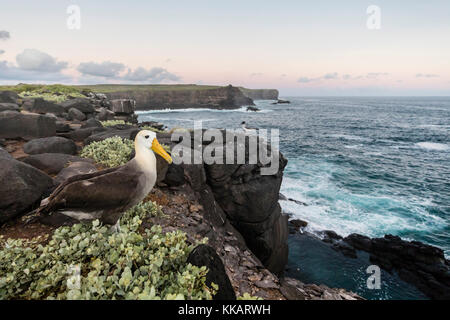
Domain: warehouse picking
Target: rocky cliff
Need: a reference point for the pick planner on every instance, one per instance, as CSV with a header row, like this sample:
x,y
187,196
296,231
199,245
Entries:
x,y
260,94
228,97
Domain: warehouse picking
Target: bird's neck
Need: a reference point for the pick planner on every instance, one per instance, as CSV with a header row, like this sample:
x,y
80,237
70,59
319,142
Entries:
x,y
145,158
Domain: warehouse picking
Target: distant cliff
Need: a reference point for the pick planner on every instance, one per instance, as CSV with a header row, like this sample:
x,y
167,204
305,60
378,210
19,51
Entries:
x,y
181,97
260,94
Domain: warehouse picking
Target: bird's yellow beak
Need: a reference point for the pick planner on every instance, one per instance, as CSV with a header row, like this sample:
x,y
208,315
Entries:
x,y
156,147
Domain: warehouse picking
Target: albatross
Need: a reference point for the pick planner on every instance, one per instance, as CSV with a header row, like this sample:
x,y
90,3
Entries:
x,y
107,194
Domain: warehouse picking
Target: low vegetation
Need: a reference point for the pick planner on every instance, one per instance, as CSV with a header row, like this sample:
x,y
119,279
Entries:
x,y
88,261
110,123
55,92
111,152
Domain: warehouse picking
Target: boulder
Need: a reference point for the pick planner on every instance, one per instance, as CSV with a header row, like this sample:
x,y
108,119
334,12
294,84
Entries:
x,y
254,109
204,255
50,145
124,134
92,123
123,106
75,114
80,104
4,154
298,224
75,168
8,97
105,114
52,163
62,126
15,125
153,124
174,176
21,187
9,106
82,134
42,106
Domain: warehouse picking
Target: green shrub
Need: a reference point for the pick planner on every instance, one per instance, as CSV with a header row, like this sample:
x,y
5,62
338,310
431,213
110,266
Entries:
x,y
110,123
87,261
111,152
56,92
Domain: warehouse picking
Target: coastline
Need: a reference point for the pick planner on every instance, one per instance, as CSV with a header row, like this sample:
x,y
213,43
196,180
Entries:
x,y
192,209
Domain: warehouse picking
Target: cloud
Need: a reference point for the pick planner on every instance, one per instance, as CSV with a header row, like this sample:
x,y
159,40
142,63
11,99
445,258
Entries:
x,y
346,76
374,75
256,74
429,75
329,76
11,72
4,35
155,75
305,80
35,60
105,69
2,51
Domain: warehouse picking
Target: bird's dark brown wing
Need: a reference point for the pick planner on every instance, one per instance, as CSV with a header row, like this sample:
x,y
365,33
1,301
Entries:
x,y
103,190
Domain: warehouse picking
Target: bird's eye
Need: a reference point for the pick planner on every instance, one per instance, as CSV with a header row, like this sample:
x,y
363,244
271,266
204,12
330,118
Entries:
x,y
146,137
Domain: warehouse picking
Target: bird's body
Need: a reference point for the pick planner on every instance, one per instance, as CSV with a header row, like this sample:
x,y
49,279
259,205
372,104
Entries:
x,y
107,194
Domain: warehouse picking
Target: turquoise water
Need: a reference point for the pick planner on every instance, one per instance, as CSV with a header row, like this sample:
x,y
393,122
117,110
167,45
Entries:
x,y
366,165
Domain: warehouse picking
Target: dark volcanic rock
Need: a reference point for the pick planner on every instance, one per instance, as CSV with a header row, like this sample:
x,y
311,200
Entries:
x,y
174,175
21,186
62,127
82,134
80,104
76,114
298,224
50,145
204,255
255,109
105,114
423,265
27,126
42,106
4,154
123,106
8,97
52,163
75,168
108,133
92,123
249,200
282,102
9,106
153,124
293,289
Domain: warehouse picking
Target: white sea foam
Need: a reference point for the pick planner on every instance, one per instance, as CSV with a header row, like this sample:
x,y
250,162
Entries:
x,y
168,110
332,208
433,146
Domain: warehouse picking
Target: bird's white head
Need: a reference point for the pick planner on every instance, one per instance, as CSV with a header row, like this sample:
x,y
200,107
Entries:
x,y
147,139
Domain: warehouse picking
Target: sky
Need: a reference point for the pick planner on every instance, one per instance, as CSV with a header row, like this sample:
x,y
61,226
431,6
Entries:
x,y
302,48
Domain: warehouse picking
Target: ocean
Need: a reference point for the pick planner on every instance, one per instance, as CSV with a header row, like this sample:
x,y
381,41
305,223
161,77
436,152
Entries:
x,y
372,166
